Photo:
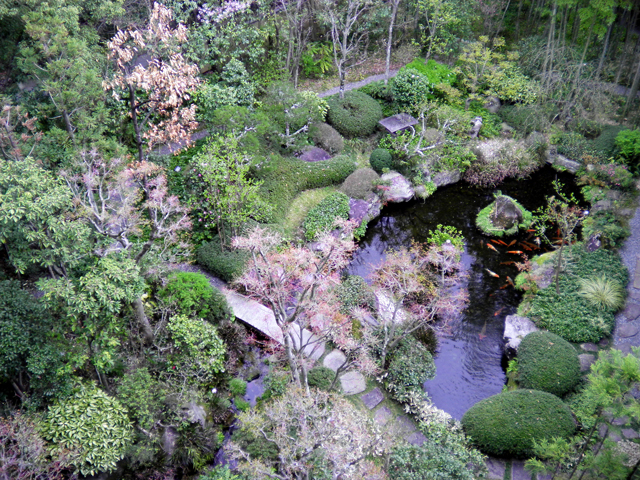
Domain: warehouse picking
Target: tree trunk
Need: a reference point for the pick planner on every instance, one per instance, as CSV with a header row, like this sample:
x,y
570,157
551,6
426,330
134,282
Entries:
x,y
68,126
559,266
627,44
518,19
141,317
576,26
136,126
547,65
633,93
394,12
603,55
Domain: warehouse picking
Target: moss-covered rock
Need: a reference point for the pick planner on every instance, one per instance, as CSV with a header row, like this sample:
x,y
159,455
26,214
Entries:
x,y
547,362
504,217
508,423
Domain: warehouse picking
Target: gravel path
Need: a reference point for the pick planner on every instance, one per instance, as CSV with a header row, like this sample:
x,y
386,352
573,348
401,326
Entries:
x,y
356,85
628,321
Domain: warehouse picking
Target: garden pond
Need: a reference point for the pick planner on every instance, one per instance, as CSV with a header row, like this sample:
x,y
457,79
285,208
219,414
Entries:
x,y
470,361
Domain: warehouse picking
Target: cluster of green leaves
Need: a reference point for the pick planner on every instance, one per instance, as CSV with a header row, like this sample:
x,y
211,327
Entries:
x,y
91,424
608,226
547,362
142,395
223,263
284,178
569,314
411,364
453,157
484,223
429,461
194,296
355,115
410,88
508,424
317,60
353,291
442,233
237,387
573,145
526,118
381,159
321,377
628,147
435,72
199,352
323,216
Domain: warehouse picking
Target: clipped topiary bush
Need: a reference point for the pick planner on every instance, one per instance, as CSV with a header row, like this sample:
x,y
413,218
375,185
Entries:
x,y
410,366
355,292
327,137
355,115
507,424
225,264
321,377
547,362
410,88
193,295
360,183
321,217
380,159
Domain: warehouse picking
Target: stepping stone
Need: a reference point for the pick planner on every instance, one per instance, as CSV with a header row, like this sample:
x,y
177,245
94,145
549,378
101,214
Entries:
x,y
404,424
626,212
372,399
624,348
586,360
315,154
352,383
620,421
589,347
496,468
626,331
334,360
614,437
632,311
416,438
636,275
382,416
603,429
629,433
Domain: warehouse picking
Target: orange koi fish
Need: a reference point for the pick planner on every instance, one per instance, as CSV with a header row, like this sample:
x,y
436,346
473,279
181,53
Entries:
x,y
509,281
512,243
493,274
502,243
517,252
492,247
497,242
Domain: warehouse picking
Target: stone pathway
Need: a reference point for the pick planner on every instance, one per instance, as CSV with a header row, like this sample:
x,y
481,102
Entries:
x,y
356,85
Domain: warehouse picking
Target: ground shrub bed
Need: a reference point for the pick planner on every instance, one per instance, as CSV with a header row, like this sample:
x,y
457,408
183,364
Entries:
x,y
322,217
327,137
570,315
526,118
355,115
224,263
193,295
507,424
547,362
321,377
410,366
284,178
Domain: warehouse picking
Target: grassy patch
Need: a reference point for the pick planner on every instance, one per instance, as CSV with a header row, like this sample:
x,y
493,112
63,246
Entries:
x,y
300,206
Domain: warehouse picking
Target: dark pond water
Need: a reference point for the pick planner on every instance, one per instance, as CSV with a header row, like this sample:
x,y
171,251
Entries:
x,y
470,365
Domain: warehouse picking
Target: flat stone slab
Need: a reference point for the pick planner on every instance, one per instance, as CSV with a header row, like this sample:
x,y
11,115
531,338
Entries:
x,y
624,348
334,360
628,330
629,433
496,468
632,311
589,347
382,416
399,190
372,398
620,421
416,438
255,314
404,424
397,123
586,360
636,277
315,154
562,161
353,383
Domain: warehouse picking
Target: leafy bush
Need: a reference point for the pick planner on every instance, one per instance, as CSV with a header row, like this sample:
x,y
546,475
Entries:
x,y
275,383
360,183
586,127
353,291
322,217
498,159
428,337
507,424
94,426
605,144
380,159
573,145
452,157
327,137
601,174
237,387
142,395
193,295
355,115
410,366
220,472
435,72
458,119
442,233
547,362
241,404
628,146
484,222
321,377
429,461
606,224
491,123
526,118
410,88
570,315
226,264
378,90
284,178
317,59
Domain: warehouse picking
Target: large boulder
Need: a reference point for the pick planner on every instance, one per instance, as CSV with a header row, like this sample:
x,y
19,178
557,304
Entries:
x,y
505,213
447,177
399,190
564,162
364,210
515,329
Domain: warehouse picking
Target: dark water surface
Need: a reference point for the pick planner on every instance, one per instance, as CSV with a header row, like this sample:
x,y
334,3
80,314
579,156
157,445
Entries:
x,y
470,358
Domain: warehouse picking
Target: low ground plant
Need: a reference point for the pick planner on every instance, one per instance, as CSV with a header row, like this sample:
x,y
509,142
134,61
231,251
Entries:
x,y
225,264
323,216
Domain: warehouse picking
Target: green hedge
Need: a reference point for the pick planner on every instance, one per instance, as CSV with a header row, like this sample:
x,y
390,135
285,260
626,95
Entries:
x,y
355,115
360,183
508,423
484,223
194,296
322,217
547,362
327,137
284,178
410,366
225,264
570,315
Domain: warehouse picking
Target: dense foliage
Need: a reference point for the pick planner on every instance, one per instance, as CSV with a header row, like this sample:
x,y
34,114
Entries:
x,y
547,362
225,264
508,424
355,115
194,296
411,365
323,216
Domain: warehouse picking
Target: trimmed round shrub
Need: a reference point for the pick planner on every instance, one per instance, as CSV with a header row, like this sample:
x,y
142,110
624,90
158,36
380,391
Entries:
x,y
320,377
547,362
360,183
410,88
355,115
380,159
506,424
327,137
410,366
225,264
322,217
355,292
194,296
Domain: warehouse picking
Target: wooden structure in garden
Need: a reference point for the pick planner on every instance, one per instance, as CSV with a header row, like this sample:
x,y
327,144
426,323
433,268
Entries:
x,y
398,123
